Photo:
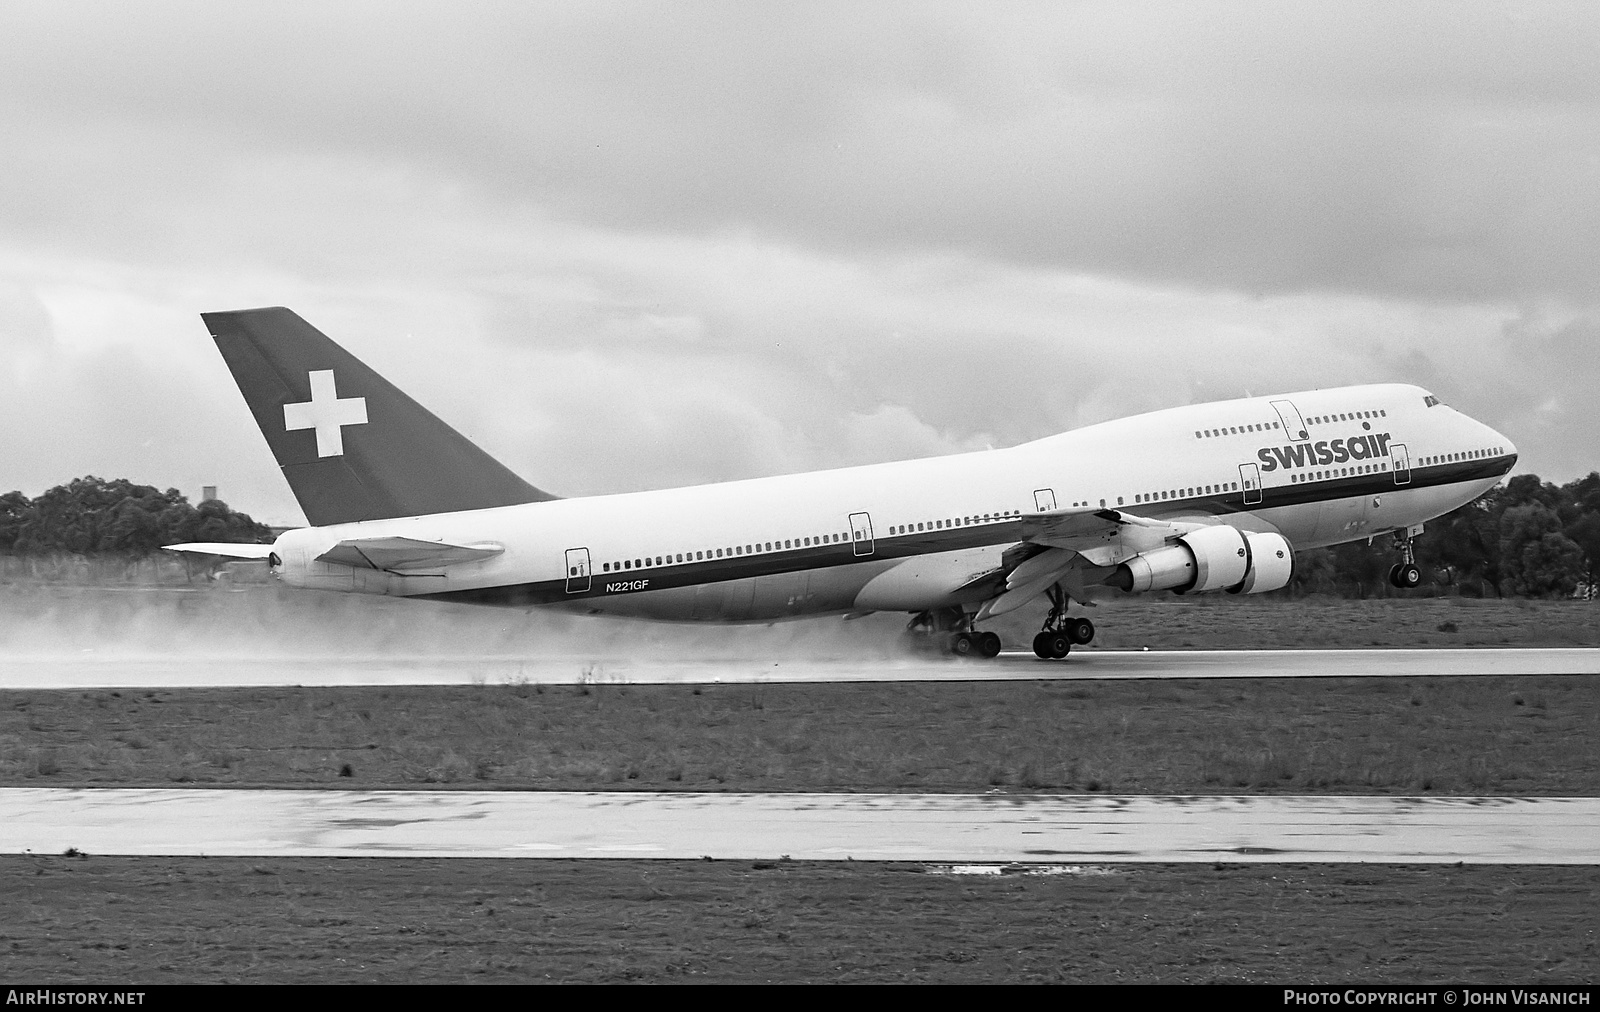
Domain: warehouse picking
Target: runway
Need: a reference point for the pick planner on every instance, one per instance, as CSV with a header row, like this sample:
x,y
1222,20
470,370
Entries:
x,y
116,671
817,827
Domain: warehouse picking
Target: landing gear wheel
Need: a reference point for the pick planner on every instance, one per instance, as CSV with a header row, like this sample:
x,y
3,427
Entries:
x,y
988,644
1060,645
943,631
1055,640
1406,574
1080,630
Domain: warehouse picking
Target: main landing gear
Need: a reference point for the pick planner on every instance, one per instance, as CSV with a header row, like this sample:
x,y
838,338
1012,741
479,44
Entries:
x,y
1060,632
949,631
1405,575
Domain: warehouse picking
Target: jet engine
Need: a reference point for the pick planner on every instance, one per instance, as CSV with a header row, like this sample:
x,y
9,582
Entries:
x,y
1211,558
1271,564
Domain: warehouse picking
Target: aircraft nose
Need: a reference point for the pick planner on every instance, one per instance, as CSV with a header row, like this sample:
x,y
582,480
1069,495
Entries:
x,y
1507,447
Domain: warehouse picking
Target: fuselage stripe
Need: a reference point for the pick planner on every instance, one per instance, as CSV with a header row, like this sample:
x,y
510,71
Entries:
x,y
978,535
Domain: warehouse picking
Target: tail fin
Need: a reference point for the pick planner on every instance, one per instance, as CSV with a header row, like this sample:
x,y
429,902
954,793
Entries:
x,y
352,446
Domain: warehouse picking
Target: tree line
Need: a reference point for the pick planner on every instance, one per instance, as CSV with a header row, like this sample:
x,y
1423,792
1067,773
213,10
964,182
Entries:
x,y
91,517
1526,538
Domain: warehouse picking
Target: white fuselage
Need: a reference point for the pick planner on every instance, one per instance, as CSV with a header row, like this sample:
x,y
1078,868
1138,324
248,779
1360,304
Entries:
x,y
908,535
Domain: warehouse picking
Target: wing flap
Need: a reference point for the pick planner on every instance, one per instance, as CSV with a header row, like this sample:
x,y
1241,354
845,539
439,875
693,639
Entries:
x,y
221,549
1029,580
401,554
1087,529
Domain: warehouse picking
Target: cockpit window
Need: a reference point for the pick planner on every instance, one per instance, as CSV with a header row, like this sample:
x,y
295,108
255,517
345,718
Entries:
x,y
1429,400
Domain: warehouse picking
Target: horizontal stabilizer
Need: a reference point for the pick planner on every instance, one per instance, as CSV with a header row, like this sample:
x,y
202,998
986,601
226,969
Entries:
x,y
221,549
405,553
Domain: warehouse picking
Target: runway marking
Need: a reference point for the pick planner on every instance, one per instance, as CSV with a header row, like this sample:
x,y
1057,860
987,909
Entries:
x,y
1085,870
958,829
90,671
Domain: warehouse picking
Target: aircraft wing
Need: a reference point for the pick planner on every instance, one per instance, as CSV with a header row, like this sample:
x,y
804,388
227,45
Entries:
x,y
1084,528
406,553
1080,523
221,549
1076,544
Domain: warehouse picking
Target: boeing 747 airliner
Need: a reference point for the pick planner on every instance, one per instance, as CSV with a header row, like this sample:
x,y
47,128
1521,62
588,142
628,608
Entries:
x,y
1207,497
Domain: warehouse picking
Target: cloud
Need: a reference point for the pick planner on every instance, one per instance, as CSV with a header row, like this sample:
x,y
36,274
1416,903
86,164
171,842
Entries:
x,y
1428,150
641,245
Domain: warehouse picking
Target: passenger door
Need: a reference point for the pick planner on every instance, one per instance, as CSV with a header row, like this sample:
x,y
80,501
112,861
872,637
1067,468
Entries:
x,y
861,533
1044,499
1400,463
1250,482
577,570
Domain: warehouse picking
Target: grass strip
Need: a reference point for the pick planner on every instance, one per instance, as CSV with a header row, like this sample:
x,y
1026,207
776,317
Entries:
x,y
1485,735
164,920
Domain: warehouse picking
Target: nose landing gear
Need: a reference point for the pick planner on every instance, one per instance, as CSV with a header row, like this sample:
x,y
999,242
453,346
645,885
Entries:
x,y
1405,575
1061,632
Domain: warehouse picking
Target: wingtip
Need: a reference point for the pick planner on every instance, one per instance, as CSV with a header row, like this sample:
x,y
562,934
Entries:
x,y
219,313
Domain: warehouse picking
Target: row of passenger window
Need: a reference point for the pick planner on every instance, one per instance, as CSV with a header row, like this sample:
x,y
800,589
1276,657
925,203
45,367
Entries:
x,y
935,525
1185,493
1234,430
758,548
1446,458
1346,416
789,544
1339,472
1343,416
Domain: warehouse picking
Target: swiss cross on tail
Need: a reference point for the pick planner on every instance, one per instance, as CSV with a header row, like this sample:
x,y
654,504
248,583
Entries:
x,y
327,413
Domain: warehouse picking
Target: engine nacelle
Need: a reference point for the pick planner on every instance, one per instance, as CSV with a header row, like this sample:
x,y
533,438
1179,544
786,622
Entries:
x,y
1211,558
1157,570
1220,556
1271,564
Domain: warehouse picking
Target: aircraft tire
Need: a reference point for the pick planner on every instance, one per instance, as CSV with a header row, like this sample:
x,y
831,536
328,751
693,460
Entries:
x,y
1394,575
1041,646
1408,576
988,644
1081,630
961,645
1060,645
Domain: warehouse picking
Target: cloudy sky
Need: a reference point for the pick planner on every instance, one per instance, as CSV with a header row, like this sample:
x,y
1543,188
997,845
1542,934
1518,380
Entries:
x,y
638,245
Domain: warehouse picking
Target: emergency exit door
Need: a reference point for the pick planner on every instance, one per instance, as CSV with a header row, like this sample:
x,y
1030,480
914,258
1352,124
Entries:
x,y
1294,427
